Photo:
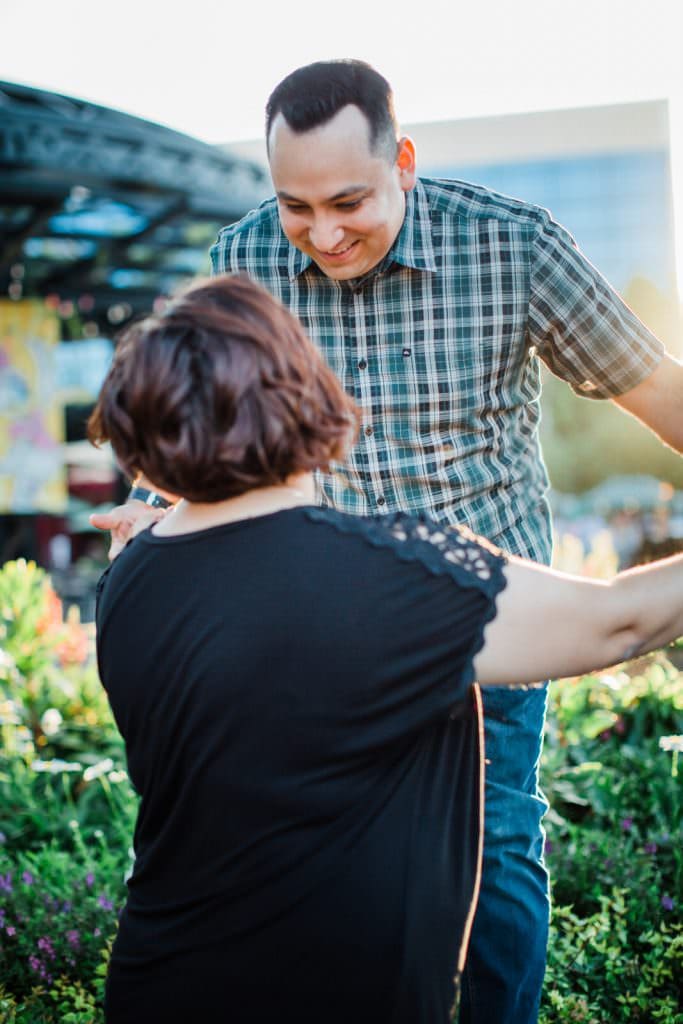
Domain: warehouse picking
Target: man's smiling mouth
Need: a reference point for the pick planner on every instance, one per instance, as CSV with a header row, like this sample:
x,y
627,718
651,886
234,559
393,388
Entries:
x,y
338,252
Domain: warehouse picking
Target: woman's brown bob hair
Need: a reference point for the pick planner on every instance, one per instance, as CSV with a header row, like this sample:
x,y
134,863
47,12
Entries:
x,y
221,393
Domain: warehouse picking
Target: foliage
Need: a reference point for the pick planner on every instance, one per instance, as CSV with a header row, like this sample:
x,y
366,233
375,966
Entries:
x,y
614,847
61,756
58,917
610,966
67,810
47,668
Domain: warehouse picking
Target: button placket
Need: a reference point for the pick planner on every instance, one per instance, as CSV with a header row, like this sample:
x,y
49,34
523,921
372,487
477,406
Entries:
x,y
364,386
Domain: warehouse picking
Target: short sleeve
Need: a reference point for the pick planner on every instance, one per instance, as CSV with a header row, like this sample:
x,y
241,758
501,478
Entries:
x,y
427,596
217,253
581,328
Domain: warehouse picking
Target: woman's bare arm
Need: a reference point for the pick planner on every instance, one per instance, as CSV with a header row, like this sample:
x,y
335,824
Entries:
x,y
549,625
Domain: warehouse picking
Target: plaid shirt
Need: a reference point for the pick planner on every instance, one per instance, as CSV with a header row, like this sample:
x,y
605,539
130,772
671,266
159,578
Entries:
x,y
439,345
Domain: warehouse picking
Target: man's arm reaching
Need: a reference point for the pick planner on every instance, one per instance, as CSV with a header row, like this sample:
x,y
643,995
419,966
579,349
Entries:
x,y
658,402
125,521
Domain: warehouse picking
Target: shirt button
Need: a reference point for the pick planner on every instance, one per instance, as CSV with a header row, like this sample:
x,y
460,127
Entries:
x,y
406,351
381,500
368,431
362,364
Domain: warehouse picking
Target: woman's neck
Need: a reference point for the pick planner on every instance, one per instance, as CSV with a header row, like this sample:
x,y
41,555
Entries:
x,y
191,516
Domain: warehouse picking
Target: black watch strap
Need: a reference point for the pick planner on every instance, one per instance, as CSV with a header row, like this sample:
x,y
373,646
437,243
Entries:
x,y
150,498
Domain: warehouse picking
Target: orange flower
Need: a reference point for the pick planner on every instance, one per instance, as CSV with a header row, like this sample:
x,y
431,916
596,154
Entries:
x,y
51,618
74,648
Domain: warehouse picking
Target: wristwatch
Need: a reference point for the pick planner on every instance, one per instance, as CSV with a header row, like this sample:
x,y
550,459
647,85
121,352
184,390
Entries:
x,y
150,498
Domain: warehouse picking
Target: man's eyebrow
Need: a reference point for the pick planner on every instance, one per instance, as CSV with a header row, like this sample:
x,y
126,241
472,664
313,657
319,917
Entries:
x,y
351,190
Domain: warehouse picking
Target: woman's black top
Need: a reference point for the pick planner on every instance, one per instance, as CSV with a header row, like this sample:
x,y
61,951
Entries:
x,y
295,694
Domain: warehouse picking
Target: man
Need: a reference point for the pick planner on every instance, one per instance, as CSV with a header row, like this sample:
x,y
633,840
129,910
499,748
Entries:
x,y
431,301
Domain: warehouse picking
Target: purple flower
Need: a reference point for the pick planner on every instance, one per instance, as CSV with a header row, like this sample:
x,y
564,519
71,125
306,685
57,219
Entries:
x,y
13,931
45,946
90,880
627,824
73,938
650,847
667,902
548,846
34,963
104,902
27,878
66,907
97,933
6,882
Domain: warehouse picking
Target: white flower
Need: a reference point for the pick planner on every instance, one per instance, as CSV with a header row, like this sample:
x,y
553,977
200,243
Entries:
x,y
672,744
6,659
51,722
8,713
56,766
614,682
95,770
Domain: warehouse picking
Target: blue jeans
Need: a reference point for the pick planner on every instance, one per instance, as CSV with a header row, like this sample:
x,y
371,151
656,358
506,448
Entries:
x,y
506,960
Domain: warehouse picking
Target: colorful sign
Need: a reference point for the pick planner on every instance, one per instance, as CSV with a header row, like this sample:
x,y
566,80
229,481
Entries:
x,y
32,474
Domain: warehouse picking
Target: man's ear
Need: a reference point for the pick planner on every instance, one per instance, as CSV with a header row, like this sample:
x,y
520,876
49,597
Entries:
x,y
405,161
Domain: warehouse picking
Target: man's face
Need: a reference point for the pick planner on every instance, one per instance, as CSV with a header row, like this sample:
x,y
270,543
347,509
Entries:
x,y
340,202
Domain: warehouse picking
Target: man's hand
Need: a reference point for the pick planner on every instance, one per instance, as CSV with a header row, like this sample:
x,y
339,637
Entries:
x,y
125,522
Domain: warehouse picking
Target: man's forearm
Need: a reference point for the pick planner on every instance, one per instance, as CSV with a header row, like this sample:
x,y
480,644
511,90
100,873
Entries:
x,y
658,402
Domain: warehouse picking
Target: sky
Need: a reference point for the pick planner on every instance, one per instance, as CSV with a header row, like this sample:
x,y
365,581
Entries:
x,y
207,68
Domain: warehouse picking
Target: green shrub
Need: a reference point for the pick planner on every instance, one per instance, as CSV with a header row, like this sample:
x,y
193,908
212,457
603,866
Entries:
x,y
61,756
58,917
610,967
614,848
48,677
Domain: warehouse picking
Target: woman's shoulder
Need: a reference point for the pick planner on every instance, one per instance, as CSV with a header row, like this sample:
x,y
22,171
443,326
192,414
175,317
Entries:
x,y
451,550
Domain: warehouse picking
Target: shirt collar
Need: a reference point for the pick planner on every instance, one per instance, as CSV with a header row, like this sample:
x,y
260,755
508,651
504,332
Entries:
x,y
413,246
297,261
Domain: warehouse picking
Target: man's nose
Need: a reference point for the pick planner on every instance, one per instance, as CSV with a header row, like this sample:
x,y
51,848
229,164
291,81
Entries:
x,y
326,234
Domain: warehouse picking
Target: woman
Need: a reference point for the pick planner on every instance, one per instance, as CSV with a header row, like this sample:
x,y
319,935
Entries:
x,y
295,688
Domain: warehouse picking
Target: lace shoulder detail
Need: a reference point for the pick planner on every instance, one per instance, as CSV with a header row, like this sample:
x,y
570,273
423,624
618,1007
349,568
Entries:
x,y
453,550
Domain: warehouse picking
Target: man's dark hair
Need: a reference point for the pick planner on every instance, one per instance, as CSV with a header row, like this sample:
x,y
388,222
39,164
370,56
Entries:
x,y
221,393
312,95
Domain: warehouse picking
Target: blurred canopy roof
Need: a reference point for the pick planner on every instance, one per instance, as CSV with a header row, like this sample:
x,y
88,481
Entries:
x,y
106,209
